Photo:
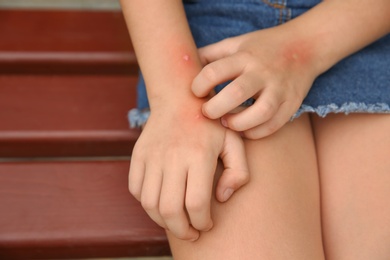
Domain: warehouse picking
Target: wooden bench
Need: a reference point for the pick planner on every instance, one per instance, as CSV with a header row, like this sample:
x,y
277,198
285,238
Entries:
x,y
67,80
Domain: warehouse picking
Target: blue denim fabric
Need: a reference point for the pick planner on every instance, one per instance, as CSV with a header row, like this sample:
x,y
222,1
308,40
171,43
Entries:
x,y
359,83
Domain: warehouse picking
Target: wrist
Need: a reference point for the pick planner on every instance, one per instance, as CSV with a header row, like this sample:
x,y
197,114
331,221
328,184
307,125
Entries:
x,y
179,106
333,30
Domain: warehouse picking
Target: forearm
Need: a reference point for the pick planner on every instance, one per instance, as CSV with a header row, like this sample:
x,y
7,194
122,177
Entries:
x,y
335,29
165,50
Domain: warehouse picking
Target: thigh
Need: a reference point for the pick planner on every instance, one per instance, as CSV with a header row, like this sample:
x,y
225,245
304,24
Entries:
x,y
277,214
354,165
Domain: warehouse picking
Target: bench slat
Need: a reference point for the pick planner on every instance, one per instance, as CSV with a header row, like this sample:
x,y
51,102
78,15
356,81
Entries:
x,y
73,210
78,115
54,41
67,81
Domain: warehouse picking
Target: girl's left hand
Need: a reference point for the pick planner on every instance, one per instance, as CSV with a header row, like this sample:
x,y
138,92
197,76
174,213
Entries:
x,y
277,71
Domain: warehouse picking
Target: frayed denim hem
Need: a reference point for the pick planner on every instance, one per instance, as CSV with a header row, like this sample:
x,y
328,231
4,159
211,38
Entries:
x,y
137,118
346,108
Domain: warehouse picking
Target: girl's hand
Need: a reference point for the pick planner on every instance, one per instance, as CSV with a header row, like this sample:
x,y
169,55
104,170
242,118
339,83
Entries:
x,y
275,71
173,165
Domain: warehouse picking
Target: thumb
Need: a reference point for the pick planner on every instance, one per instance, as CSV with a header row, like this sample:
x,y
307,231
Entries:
x,y
236,172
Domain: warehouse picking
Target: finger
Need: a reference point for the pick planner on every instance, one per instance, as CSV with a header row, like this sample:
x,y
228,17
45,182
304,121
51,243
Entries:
x,y
199,192
236,171
232,96
150,196
215,73
282,116
217,50
136,176
264,108
172,204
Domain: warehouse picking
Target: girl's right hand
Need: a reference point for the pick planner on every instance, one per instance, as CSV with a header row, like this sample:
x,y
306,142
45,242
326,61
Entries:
x,y
173,165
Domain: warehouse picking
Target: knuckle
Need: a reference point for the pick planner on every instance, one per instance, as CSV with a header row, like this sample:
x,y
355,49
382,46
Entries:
x,y
197,88
243,177
245,56
172,156
235,125
239,91
230,43
138,150
168,212
210,73
134,190
207,111
267,109
149,204
195,205
227,40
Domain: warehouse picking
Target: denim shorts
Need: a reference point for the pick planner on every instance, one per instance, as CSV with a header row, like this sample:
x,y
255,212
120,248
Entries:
x,y
359,83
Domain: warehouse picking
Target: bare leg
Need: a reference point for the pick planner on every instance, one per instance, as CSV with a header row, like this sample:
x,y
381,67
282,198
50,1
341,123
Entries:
x,y
276,215
354,162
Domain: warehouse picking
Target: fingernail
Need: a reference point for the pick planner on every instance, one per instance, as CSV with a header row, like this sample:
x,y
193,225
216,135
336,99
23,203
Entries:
x,y
224,122
227,194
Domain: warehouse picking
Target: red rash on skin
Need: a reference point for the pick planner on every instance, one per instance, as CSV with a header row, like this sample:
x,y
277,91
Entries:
x,y
183,54
186,57
182,57
193,111
298,52
185,65
308,52
195,118
187,62
199,116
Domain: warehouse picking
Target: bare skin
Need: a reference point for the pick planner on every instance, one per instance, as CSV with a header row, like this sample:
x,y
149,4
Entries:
x,y
276,215
277,66
175,158
355,185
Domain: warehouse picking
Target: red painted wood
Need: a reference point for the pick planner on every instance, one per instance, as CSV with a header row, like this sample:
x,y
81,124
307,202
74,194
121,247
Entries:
x,y
53,210
72,115
67,80
65,42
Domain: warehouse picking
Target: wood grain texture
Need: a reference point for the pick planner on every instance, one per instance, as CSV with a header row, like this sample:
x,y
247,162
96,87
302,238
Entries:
x,y
73,115
67,81
51,210
49,41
